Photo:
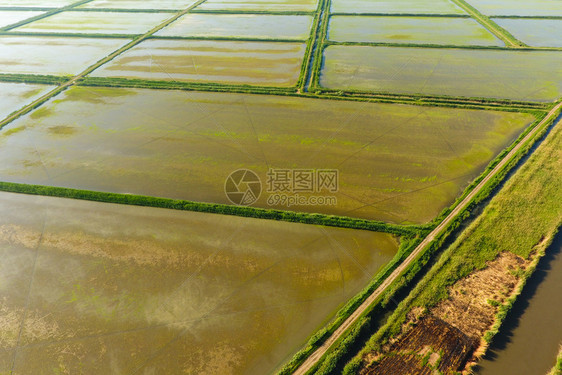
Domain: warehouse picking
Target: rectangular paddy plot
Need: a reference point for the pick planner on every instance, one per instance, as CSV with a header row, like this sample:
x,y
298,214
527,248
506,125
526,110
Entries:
x,y
139,4
418,30
517,75
240,26
14,96
52,55
396,7
10,17
96,23
37,3
396,163
534,32
260,5
226,62
90,288
518,7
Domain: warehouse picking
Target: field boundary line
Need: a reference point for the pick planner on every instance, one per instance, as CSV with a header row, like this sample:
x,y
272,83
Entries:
x,y
319,353
490,25
36,103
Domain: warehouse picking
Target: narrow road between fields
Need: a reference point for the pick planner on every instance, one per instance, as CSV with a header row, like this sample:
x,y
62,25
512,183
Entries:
x,y
313,359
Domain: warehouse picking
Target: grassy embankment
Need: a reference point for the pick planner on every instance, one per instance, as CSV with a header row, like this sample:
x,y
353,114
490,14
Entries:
x,y
493,27
525,213
557,369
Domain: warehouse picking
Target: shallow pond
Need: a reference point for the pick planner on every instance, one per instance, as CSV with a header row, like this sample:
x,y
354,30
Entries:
x,y
104,289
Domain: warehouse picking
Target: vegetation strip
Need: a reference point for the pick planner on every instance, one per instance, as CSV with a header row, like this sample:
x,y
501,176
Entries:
x,y
557,369
260,12
185,205
321,39
34,78
433,238
493,27
50,12
232,38
449,46
309,55
359,14
513,222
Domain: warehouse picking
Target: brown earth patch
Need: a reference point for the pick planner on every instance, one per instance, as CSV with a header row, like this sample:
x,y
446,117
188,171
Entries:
x,y
445,339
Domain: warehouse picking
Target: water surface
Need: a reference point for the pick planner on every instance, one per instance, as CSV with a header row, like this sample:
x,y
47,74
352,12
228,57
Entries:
x,y
105,289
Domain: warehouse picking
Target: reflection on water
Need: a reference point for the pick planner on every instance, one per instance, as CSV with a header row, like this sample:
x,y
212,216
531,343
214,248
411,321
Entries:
x,y
529,340
97,289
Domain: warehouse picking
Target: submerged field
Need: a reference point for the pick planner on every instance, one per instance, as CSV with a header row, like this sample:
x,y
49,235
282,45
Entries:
x,y
96,23
14,96
52,55
135,4
518,75
534,32
227,62
36,3
518,7
392,6
396,163
260,5
418,30
97,288
11,17
240,26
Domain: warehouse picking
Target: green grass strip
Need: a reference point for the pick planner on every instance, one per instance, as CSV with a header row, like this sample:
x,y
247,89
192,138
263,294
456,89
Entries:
x,y
310,47
431,45
185,205
34,78
493,27
320,45
360,14
557,369
257,12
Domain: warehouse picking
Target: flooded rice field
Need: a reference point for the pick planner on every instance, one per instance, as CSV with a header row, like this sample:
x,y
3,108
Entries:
x,y
14,96
97,289
518,7
260,5
240,26
136,4
36,3
96,23
517,75
534,32
418,30
227,62
396,163
10,17
53,55
396,7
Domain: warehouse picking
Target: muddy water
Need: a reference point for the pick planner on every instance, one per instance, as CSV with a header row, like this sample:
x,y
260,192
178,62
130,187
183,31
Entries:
x,y
396,163
90,288
529,339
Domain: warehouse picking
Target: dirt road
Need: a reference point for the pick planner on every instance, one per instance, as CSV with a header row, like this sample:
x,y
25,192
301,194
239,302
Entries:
x,y
315,357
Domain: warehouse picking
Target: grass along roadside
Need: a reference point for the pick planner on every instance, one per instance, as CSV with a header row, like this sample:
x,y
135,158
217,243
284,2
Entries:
x,y
327,358
493,27
310,48
522,218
